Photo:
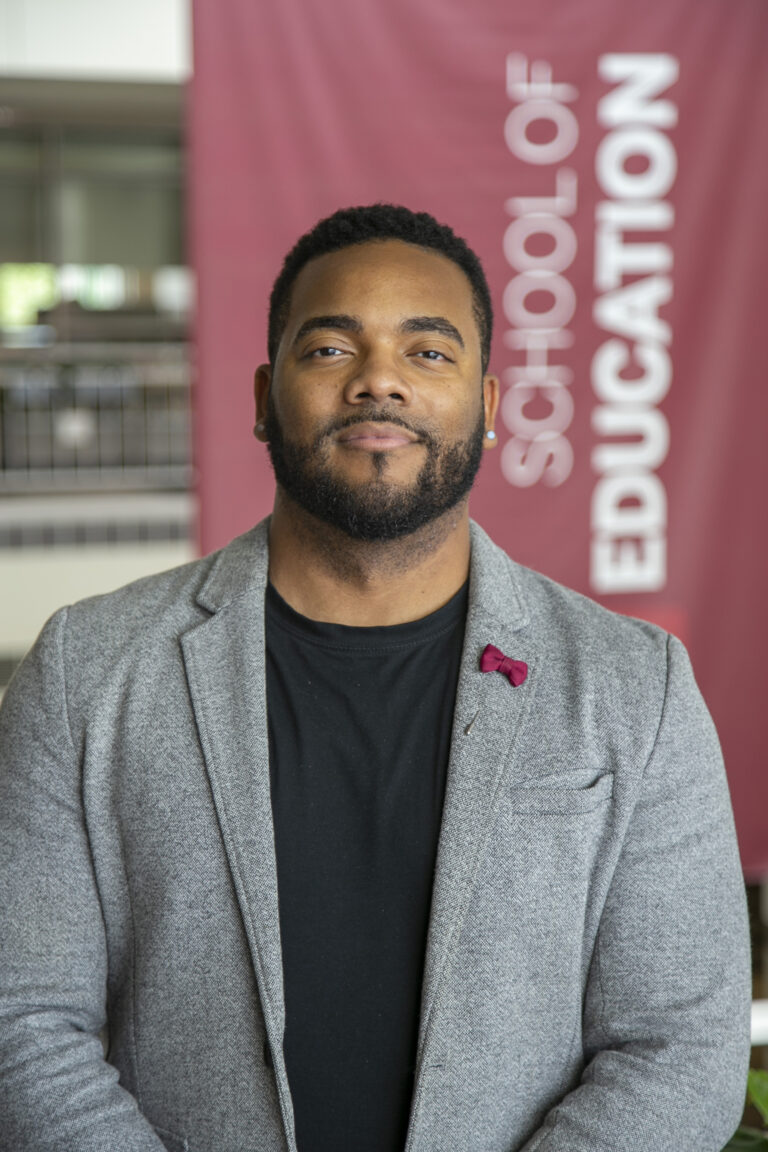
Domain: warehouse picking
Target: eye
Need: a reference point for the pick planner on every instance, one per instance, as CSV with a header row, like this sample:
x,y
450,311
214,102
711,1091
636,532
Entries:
x,y
326,351
434,355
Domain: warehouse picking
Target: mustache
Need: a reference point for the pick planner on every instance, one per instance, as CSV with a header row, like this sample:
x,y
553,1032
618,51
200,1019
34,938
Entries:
x,y
374,416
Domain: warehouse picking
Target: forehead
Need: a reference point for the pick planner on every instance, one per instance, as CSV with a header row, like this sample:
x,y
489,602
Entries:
x,y
381,279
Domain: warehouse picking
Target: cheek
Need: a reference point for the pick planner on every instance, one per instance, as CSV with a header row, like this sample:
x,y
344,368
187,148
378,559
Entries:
x,y
462,416
299,410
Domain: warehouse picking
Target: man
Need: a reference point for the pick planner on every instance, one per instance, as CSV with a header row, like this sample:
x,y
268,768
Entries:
x,y
356,835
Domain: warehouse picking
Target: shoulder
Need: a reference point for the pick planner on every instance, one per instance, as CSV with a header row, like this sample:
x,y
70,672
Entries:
x,y
558,616
164,599
136,629
610,670
174,600
569,620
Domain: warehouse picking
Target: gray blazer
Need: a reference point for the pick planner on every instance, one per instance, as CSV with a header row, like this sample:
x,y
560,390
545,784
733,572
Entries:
x,y
586,983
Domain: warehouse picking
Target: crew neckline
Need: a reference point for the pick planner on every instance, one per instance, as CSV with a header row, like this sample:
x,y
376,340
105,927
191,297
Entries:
x,y
379,636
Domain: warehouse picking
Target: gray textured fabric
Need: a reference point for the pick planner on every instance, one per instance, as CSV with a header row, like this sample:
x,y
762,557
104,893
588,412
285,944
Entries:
x,y
586,983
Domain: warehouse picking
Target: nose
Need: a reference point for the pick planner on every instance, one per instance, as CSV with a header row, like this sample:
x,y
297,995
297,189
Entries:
x,y
378,379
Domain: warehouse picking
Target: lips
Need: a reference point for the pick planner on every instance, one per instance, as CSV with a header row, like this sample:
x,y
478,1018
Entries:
x,y
375,437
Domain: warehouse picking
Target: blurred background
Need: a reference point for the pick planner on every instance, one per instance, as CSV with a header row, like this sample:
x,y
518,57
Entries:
x,y
609,165
95,304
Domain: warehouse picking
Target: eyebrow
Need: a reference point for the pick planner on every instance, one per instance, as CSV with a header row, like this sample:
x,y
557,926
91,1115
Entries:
x,y
433,324
343,322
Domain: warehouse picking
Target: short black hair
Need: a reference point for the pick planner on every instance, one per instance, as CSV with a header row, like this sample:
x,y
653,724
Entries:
x,y
360,225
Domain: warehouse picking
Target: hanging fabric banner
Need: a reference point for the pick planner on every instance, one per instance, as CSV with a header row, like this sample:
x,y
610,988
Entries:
x,y
608,164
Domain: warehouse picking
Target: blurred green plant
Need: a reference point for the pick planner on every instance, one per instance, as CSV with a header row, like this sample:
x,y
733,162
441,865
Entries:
x,y
23,289
753,1139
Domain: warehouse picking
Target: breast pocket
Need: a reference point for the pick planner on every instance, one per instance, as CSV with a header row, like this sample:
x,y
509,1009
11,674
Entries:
x,y
567,796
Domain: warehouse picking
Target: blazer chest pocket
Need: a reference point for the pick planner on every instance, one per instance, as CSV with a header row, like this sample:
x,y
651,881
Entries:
x,y
561,799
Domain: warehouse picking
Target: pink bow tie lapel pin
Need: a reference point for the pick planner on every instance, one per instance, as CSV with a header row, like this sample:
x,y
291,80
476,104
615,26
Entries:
x,y
492,660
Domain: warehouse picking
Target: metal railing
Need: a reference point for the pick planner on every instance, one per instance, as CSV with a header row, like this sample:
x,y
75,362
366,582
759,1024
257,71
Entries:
x,y
94,417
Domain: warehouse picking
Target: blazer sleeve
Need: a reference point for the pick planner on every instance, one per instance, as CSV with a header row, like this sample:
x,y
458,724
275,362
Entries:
x,y
666,1013
57,1091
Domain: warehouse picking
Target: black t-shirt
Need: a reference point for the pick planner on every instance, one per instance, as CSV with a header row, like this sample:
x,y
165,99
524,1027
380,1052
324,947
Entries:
x,y
359,737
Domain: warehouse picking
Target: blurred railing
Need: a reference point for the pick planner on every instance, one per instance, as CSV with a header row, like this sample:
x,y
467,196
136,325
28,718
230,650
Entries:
x,y
94,417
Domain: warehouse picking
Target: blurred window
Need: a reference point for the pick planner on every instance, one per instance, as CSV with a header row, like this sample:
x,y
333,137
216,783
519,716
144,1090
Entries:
x,y
131,155
82,196
20,199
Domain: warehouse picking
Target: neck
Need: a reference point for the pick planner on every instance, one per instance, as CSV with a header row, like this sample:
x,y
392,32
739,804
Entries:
x,y
326,575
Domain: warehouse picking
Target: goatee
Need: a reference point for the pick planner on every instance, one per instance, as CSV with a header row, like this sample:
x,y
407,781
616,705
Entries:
x,y
379,510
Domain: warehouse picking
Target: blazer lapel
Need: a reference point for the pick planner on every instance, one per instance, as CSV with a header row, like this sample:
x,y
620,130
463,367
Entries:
x,y
224,660
488,717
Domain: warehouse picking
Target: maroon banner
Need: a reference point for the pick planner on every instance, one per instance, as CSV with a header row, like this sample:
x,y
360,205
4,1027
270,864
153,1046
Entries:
x,y
608,164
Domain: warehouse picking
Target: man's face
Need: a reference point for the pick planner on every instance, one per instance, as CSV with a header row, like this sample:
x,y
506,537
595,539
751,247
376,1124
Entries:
x,y
376,409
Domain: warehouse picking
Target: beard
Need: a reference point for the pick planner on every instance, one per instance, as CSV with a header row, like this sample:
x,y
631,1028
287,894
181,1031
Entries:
x,y
379,509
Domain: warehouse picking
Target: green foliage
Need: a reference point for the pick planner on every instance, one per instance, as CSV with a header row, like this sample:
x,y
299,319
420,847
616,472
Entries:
x,y
747,1140
751,1139
757,1091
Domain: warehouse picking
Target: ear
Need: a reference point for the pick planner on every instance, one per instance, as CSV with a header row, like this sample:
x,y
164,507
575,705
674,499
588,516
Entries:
x,y
261,384
490,405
